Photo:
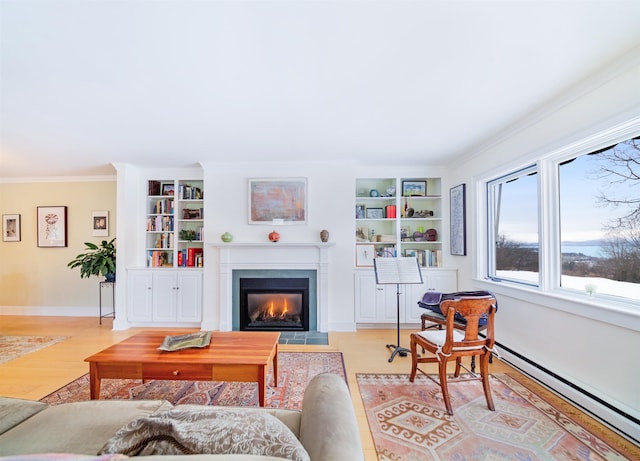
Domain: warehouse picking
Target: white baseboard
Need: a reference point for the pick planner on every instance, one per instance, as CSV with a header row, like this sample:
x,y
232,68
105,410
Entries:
x,y
582,397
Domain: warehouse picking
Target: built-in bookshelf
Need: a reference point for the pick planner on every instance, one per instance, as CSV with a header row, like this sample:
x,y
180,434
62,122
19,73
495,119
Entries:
x,y
400,217
174,223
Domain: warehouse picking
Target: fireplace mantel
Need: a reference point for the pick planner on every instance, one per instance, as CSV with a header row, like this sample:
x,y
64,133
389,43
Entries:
x,y
238,256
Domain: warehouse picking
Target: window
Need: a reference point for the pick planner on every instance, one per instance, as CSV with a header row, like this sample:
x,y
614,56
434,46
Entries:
x,y
600,220
571,221
514,239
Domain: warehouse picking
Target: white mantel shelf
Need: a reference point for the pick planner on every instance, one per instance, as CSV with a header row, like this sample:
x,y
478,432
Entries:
x,y
272,255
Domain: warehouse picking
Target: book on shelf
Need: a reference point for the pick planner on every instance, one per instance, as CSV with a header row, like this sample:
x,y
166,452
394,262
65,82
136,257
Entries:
x,y
154,188
192,255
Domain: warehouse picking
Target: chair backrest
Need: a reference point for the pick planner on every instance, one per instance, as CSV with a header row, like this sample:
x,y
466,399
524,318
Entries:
x,y
471,309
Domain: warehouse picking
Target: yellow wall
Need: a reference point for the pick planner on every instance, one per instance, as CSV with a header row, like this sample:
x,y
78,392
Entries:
x,y
39,277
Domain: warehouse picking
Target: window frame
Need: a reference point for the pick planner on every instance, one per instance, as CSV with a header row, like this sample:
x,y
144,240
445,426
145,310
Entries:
x,y
624,312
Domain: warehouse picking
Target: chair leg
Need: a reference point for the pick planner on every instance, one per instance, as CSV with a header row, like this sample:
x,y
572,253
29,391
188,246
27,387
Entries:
x,y
458,362
484,370
442,372
414,360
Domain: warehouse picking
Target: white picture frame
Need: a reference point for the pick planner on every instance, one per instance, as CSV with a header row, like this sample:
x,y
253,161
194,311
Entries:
x,y
277,200
100,223
365,253
11,228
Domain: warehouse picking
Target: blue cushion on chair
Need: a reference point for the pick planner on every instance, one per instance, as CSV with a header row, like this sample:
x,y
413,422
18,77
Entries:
x,y
431,300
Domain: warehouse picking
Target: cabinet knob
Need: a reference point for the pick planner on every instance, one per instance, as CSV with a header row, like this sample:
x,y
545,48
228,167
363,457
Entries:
x,y
175,372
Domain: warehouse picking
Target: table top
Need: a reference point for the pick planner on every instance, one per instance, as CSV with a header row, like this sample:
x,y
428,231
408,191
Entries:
x,y
225,348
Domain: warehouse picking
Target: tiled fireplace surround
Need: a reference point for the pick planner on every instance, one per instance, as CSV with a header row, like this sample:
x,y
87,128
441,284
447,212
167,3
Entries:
x,y
272,256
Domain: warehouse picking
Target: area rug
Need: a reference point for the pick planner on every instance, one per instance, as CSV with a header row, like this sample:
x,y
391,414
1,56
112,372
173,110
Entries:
x,y
295,370
12,347
408,422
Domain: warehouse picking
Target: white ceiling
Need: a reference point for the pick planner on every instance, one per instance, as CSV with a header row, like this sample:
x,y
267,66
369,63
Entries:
x,y
174,82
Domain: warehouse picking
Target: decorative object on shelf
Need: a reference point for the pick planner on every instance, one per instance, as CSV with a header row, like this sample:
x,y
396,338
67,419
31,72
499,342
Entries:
x,y
374,193
278,199
360,211
324,235
420,236
375,213
187,234
98,260
274,236
391,191
168,189
422,214
226,237
432,235
52,226
100,223
414,188
10,227
458,220
365,254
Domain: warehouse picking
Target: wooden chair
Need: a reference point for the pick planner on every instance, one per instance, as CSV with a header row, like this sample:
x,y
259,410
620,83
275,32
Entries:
x,y
450,344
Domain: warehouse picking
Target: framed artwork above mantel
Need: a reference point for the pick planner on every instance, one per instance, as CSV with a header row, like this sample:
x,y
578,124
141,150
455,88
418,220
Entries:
x,y
278,200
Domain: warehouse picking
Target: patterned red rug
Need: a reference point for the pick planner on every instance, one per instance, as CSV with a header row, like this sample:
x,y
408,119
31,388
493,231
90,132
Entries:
x,y
408,422
12,347
295,370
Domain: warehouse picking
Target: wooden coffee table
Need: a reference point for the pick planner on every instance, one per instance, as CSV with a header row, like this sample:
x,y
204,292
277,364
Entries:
x,y
231,356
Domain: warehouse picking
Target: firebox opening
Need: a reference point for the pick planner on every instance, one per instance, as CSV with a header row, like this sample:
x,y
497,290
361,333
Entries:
x,y
274,304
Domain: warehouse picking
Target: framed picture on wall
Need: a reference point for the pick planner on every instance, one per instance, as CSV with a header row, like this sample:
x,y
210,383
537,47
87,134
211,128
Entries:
x,y
10,227
365,253
457,203
100,223
278,200
52,226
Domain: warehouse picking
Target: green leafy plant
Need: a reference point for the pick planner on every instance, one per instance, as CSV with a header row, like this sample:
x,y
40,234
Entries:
x,y
97,260
187,234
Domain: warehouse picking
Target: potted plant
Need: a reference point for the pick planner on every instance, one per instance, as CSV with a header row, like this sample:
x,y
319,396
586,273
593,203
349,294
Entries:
x,y
97,260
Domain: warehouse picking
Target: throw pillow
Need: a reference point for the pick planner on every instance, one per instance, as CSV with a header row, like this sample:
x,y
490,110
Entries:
x,y
193,429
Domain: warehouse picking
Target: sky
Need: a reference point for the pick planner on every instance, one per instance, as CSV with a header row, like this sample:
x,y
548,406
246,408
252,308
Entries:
x,y
581,215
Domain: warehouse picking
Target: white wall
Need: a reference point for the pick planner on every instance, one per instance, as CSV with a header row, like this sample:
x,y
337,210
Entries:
x,y
331,189
593,354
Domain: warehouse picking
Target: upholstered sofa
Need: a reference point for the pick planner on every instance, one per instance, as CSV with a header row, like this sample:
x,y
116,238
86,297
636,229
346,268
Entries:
x,y
326,428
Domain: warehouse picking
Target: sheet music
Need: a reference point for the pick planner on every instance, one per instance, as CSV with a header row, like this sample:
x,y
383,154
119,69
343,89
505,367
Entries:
x,y
403,270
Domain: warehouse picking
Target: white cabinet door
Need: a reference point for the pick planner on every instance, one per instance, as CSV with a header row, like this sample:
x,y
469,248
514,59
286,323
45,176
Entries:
x,y
165,287
376,303
165,296
140,297
365,298
440,280
189,297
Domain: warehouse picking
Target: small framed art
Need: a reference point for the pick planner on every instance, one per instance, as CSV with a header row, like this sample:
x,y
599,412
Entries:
x,y
375,213
365,252
10,227
414,188
100,223
458,220
52,226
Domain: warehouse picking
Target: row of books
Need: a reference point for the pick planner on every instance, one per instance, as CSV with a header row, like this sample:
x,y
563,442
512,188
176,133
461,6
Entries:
x,y
190,257
160,223
164,240
188,192
426,257
162,206
158,258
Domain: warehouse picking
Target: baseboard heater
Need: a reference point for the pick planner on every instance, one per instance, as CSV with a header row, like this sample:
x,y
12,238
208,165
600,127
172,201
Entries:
x,y
617,411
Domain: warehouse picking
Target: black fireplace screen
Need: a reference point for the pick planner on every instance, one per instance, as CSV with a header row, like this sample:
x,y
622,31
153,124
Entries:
x,y
274,304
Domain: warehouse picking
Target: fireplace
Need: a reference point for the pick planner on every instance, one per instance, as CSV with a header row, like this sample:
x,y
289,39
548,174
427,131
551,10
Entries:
x,y
274,304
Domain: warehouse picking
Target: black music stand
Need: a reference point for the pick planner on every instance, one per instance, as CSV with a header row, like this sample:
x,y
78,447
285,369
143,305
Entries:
x,y
398,271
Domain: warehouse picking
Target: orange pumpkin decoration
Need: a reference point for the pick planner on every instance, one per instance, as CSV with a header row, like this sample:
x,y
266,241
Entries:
x,y
274,236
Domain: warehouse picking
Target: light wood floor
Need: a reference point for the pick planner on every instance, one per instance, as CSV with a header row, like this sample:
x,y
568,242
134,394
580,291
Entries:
x,y
36,375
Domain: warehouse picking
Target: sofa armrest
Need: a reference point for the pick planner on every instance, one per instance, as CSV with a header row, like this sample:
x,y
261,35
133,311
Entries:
x,y
328,427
